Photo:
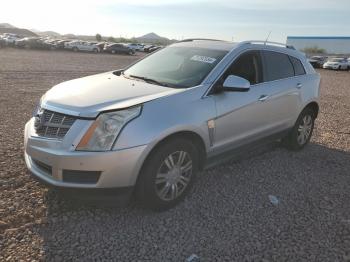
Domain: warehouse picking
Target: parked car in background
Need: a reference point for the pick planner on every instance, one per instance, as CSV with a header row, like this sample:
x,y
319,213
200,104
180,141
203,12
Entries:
x,y
317,61
82,46
136,47
60,44
2,42
150,128
337,63
118,48
154,48
101,45
34,43
10,39
146,48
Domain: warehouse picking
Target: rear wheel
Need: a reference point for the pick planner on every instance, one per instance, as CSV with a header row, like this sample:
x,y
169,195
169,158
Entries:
x,y
168,175
301,133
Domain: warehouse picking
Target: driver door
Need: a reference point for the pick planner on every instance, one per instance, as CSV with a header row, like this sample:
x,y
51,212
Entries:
x,y
242,117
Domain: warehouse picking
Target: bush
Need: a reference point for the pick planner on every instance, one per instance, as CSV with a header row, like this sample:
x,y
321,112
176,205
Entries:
x,y
111,39
313,50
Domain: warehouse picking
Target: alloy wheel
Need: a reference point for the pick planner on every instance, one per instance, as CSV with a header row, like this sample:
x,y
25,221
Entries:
x,y
304,130
174,175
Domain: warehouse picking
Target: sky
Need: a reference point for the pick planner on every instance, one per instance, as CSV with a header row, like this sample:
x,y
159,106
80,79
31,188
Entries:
x,y
235,20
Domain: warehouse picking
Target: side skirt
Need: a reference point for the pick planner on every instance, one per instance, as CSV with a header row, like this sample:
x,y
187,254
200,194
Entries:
x,y
244,150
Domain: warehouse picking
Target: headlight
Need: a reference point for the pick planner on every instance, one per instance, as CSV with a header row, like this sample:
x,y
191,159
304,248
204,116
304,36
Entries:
x,y
104,131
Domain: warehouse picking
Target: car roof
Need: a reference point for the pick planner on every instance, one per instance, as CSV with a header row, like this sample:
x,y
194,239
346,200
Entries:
x,y
210,44
229,46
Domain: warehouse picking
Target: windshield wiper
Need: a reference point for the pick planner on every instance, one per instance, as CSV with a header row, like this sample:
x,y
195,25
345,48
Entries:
x,y
149,80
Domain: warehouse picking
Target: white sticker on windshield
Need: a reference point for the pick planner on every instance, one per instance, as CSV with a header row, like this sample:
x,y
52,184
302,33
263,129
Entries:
x,y
204,59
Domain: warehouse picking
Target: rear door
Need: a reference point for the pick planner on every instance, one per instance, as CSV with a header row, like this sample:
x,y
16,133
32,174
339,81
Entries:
x,y
284,76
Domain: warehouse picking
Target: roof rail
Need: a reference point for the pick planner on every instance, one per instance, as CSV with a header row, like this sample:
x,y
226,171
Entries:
x,y
259,42
195,39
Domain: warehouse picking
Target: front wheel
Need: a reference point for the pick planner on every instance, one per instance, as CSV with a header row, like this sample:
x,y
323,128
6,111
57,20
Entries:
x,y
301,133
168,175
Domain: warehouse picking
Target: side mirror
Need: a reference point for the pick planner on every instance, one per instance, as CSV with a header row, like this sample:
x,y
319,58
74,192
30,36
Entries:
x,y
236,84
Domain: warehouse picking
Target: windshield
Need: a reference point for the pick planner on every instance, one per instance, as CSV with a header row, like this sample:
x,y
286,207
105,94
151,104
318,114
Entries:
x,y
179,67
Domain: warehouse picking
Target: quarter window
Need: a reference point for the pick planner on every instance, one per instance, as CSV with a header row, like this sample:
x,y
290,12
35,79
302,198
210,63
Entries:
x,y
278,66
298,66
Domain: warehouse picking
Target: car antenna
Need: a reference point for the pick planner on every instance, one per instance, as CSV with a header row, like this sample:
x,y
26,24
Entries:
x,y
267,38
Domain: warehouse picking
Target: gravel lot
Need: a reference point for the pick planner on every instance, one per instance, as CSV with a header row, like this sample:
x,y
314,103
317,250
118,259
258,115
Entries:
x,y
227,217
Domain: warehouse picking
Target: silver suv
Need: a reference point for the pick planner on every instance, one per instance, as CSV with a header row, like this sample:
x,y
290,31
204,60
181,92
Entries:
x,y
148,130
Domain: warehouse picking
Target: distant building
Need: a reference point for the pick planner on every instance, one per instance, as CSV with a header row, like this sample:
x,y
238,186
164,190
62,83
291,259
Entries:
x,y
331,44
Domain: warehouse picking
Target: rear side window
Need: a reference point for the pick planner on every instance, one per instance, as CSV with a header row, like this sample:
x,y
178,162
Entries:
x,y
278,66
298,66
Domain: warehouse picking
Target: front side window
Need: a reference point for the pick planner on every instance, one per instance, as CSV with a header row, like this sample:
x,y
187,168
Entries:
x,y
247,66
176,66
278,66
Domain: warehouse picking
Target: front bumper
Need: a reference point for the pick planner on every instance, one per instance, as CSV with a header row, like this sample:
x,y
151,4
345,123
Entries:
x,y
52,163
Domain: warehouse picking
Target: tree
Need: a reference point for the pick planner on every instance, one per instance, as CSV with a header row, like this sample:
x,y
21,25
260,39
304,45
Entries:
x,y
98,37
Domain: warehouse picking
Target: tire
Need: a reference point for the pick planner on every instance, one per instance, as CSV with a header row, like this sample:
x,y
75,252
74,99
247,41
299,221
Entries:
x,y
75,49
158,184
95,50
130,52
301,133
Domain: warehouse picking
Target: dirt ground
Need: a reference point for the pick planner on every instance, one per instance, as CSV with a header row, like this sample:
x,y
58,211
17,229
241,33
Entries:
x,y
227,217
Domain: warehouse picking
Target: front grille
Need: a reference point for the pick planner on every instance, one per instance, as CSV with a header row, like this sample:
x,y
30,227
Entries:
x,y
52,124
43,167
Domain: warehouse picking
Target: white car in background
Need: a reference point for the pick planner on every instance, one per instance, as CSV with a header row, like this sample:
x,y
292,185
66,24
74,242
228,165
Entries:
x,y
337,63
82,46
136,47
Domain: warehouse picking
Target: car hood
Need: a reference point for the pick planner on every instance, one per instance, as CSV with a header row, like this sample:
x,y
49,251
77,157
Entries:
x,y
332,63
88,96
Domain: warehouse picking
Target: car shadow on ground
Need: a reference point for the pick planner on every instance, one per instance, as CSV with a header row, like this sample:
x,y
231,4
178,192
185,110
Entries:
x,y
229,215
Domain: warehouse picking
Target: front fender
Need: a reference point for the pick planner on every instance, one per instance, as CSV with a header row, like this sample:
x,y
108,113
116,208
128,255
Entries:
x,y
160,118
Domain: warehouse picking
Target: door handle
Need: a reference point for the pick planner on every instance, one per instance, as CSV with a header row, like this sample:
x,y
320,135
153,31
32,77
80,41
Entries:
x,y
262,98
299,85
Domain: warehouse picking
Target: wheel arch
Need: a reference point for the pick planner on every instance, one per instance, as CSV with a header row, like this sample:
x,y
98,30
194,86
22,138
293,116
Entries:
x,y
191,136
313,106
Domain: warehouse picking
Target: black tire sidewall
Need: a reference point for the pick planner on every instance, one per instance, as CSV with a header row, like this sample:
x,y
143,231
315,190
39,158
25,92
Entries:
x,y
146,192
